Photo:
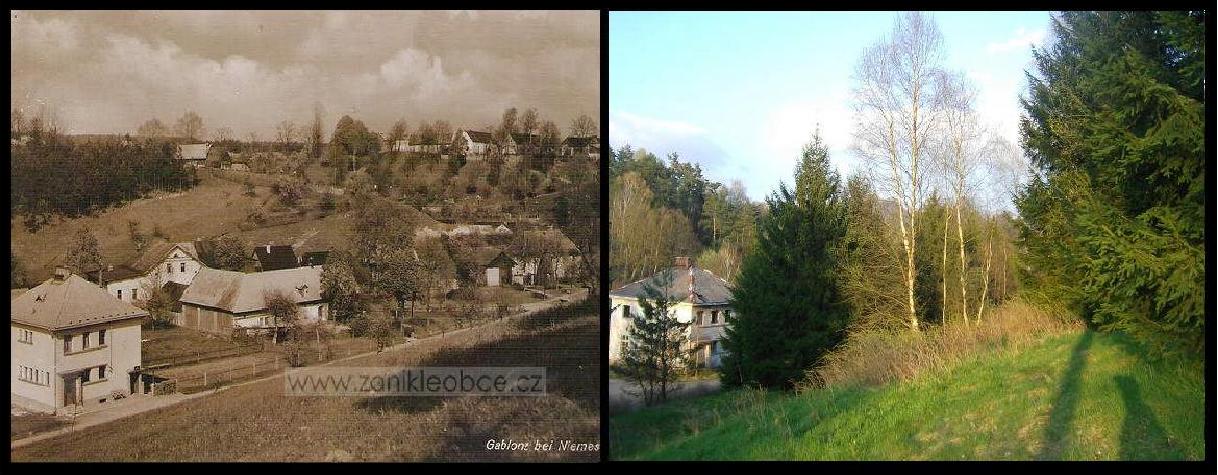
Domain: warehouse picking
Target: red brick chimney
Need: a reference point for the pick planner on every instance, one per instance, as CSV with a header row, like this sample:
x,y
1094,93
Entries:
x,y
687,263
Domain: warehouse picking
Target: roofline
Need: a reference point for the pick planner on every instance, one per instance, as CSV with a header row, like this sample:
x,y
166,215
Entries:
x,y
80,325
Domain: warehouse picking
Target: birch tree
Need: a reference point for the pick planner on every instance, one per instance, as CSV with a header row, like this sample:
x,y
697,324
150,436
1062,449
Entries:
x,y
895,115
962,137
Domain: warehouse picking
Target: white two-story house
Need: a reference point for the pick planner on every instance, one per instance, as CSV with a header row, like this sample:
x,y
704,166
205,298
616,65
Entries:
x,y
696,296
72,344
162,263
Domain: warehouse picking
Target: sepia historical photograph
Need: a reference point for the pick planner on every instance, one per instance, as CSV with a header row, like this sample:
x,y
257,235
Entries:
x,y
905,236
305,236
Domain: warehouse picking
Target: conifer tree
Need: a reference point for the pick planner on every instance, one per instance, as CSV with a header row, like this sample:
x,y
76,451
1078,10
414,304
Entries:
x,y
787,309
655,351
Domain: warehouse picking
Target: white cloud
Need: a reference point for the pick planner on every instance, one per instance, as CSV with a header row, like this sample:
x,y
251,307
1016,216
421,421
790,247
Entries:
x,y
1022,39
790,127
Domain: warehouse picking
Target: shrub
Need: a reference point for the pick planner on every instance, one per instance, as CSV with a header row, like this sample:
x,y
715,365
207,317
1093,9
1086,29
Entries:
x,y
873,357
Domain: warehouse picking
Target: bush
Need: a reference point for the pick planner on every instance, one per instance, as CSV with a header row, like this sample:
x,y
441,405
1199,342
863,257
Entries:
x,y
873,357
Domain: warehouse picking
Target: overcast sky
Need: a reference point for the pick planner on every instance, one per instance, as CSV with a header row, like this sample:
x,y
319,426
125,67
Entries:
x,y
740,93
108,72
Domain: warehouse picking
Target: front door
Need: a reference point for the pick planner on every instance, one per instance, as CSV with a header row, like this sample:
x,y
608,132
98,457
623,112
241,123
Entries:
x,y
71,389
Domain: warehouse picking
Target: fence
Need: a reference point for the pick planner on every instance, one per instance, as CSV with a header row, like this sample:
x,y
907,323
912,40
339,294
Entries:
x,y
201,356
269,362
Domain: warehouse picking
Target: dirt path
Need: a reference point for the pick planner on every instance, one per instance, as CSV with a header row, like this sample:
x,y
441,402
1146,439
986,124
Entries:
x,y
131,406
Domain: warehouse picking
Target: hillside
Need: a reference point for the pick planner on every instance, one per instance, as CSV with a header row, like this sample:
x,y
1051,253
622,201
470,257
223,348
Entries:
x,y
1077,396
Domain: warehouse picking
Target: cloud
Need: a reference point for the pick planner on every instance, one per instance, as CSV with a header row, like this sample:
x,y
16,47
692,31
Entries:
x,y
107,72
663,136
1022,39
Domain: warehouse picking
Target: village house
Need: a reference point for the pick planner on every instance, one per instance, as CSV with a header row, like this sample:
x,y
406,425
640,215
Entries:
x,y
558,262
473,144
221,301
193,154
696,296
589,147
73,344
272,257
162,263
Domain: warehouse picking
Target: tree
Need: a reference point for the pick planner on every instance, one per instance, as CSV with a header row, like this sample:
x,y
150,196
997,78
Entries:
x,y
157,301
284,317
84,254
962,142
190,126
138,238
436,267
399,131
223,134
229,252
153,128
18,277
315,132
550,139
508,123
583,126
1113,220
529,121
787,310
339,286
290,190
397,274
285,132
895,117
655,348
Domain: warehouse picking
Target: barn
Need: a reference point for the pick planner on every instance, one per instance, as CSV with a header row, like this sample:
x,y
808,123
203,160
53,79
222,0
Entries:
x,y
221,301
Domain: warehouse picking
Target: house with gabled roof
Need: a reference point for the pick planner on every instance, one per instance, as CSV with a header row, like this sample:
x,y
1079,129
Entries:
x,y
589,147
696,296
72,344
473,144
272,257
159,264
221,301
193,154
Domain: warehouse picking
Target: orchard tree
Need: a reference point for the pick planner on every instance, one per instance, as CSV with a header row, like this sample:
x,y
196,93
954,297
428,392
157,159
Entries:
x,y
190,126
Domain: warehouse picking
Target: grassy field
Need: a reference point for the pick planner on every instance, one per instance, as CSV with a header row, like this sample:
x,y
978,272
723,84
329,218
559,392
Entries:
x,y
257,422
1077,396
211,208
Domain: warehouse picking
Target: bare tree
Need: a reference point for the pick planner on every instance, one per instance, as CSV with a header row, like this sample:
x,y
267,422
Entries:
x,y
223,134
190,126
961,148
285,132
153,128
583,126
509,123
895,116
529,121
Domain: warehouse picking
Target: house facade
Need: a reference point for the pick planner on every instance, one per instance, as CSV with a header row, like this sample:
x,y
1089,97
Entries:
x,y
473,144
696,296
72,344
161,264
221,301
586,147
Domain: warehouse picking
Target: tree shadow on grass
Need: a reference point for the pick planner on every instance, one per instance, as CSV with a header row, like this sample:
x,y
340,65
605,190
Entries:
x,y
1061,417
1142,436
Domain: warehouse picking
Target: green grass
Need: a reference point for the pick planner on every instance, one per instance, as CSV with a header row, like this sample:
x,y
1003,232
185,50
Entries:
x,y
1077,396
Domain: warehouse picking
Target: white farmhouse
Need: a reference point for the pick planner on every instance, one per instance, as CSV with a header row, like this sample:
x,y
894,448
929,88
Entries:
x,y
162,263
220,301
696,296
193,154
473,144
72,344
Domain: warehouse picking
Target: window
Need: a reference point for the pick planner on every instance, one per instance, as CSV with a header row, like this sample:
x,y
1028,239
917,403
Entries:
x,y
625,311
726,314
120,294
67,344
84,375
182,268
169,267
101,372
84,341
101,337
700,318
25,336
714,317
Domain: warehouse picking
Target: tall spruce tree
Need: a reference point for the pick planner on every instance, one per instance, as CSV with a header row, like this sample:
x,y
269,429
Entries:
x,y
656,347
1113,219
788,312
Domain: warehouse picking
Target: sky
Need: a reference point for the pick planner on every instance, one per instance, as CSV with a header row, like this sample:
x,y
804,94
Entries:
x,y
740,93
108,72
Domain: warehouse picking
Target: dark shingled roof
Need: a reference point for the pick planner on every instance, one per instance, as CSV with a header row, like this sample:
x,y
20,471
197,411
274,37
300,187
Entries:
x,y
709,289
314,258
276,257
479,137
579,141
